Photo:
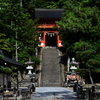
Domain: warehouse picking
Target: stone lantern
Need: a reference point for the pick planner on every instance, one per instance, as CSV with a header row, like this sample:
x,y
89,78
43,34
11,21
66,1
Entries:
x,y
29,63
73,63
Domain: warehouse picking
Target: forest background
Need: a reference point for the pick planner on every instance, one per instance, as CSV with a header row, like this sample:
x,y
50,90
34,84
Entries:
x,y
79,30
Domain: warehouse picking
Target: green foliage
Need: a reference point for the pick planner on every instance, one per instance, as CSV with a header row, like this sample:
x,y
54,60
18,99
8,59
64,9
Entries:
x,y
13,68
1,57
17,20
51,4
80,32
78,16
4,43
86,52
1,69
29,43
6,70
41,3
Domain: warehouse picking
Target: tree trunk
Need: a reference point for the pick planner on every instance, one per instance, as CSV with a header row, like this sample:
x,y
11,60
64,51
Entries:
x,y
90,77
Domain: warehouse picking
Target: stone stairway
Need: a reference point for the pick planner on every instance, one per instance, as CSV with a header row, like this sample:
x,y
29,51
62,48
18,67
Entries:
x,y
50,68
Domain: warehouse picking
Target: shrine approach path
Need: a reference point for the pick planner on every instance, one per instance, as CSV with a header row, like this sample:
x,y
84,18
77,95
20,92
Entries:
x,y
53,93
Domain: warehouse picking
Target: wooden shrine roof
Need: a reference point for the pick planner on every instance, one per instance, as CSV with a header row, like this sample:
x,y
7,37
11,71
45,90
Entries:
x,y
11,61
48,13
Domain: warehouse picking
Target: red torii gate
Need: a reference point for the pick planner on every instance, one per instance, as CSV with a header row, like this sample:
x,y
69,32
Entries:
x,y
43,41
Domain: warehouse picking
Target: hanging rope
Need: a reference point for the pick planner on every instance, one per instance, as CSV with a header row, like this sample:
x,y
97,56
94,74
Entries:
x,y
51,34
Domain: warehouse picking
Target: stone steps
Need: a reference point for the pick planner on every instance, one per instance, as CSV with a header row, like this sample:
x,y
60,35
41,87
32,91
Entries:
x,y
50,67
